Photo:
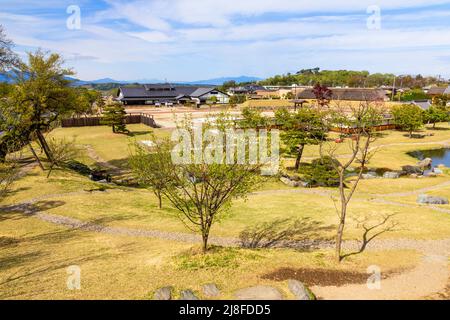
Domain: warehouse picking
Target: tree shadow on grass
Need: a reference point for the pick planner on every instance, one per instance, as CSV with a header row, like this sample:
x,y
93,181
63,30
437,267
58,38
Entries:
x,y
139,133
302,234
372,230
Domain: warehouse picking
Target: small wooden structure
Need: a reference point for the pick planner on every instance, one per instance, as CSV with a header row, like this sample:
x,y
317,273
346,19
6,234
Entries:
x,y
298,103
92,121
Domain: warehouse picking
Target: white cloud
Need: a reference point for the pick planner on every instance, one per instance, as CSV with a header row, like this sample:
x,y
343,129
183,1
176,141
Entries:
x,y
186,40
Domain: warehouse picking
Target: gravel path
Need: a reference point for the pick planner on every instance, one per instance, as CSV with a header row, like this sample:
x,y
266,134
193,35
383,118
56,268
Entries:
x,y
29,208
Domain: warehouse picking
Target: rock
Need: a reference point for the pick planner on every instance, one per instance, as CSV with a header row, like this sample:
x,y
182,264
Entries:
x,y
412,169
163,294
211,290
438,171
426,199
370,175
258,293
425,163
391,175
188,295
298,290
289,182
414,175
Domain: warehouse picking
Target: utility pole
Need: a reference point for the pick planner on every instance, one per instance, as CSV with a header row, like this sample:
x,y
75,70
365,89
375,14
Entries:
x,y
393,88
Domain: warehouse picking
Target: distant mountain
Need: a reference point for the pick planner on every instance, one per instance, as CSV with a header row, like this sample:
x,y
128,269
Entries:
x,y
220,81
212,82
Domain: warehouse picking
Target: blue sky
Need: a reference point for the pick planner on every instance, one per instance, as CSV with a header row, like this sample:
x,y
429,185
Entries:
x,y
183,40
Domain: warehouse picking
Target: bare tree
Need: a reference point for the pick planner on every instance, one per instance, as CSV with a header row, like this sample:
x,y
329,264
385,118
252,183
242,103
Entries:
x,y
9,172
373,229
148,165
359,120
8,58
203,190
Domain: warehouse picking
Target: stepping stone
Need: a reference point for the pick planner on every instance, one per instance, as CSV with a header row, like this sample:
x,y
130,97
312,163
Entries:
x,y
258,293
211,290
163,294
188,295
298,290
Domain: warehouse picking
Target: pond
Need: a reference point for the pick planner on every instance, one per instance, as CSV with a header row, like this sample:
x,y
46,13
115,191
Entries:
x,y
439,156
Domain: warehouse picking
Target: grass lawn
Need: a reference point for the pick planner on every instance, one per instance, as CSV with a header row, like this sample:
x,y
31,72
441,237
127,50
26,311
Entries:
x,y
34,254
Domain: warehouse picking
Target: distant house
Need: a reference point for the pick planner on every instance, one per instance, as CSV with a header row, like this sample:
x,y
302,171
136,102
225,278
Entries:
x,y
353,94
437,91
424,104
248,89
167,94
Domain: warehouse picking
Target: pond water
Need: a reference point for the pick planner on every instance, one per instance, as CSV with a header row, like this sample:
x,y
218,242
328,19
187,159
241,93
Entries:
x,y
439,156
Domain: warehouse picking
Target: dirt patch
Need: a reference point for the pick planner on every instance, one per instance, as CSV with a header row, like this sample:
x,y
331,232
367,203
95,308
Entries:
x,y
445,295
320,277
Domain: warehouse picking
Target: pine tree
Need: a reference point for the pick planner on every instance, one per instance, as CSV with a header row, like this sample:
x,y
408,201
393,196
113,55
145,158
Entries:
x,y
114,116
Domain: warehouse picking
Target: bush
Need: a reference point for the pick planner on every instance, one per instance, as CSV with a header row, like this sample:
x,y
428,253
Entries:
x,y
320,173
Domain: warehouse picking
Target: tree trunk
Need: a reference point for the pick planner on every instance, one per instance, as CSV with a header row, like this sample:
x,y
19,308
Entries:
x,y
205,242
342,216
339,235
299,156
159,200
44,145
36,157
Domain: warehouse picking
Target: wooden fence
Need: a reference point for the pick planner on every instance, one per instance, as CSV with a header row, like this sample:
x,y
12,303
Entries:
x,y
92,121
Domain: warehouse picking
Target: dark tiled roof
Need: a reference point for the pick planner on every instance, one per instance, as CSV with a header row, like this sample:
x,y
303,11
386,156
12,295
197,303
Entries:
x,y
164,91
348,94
424,104
437,90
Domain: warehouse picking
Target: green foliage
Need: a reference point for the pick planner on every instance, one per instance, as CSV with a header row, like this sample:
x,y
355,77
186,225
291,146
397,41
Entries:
x,y
349,78
412,95
441,100
202,191
63,151
86,99
237,99
8,173
321,172
306,126
150,165
40,98
114,116
252,118
436,114
408,117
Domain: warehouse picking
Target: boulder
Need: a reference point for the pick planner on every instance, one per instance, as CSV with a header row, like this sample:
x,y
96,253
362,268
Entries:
x,y
425,163
430,174
289,182
188,295
163,294
298,290
438,171
369,175
211,290
258,293
391,175
426,199
412,169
